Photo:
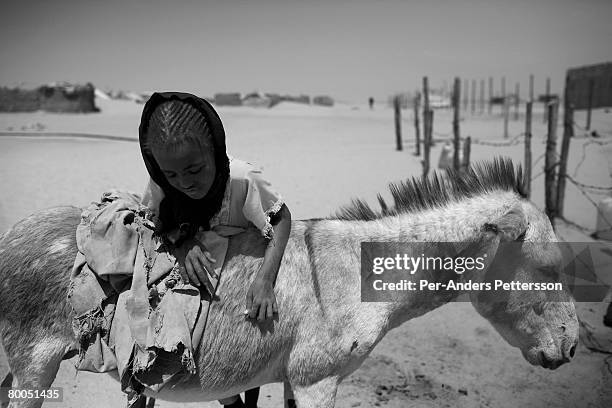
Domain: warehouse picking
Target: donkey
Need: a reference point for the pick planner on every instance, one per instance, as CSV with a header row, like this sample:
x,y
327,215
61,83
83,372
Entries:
x,y
323,331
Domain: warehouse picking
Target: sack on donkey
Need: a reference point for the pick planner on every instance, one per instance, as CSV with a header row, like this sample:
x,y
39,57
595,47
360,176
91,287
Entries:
x,y
133,310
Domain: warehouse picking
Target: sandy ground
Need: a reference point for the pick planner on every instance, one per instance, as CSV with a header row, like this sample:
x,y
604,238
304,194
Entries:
x,y
319,158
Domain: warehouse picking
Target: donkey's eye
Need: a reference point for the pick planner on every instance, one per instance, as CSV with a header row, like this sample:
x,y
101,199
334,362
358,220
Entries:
x,y
521,237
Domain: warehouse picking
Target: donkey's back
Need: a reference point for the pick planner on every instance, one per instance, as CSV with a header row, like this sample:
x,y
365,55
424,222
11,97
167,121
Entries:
x,y
36,257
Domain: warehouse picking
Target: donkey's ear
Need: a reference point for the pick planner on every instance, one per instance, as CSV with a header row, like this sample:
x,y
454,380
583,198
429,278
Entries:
x,y
511,226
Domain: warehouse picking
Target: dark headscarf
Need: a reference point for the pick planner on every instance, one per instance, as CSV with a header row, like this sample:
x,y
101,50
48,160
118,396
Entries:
x,y
177,210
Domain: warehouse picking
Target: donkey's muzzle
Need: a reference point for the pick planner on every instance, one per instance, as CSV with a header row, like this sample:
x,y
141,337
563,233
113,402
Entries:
x,y
555,361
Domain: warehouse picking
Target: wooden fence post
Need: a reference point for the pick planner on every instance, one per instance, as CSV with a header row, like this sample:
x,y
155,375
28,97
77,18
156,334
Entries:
x,y
456,117
425,93
467,147
417,130
517,101
397,105
528,112
426,126
426,107
506,112
531,87
503,93
550,163
490,95
568,133
473,101
428,118
590,103
466,101
482,96
547,95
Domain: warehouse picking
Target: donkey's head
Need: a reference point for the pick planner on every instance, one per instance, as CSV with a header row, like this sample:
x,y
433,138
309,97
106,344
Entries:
x,y
487,205
541,323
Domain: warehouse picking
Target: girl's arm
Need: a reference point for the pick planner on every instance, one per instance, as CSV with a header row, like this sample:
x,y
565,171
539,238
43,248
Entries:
x,y
261,302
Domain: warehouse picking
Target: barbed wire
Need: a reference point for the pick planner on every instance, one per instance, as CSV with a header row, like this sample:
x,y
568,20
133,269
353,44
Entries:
x,y
587,132
583,158
538,159
599,142
446,135
583,188
514,141
538,175
587,186
585,230
594,137
584,147
580,127
599,212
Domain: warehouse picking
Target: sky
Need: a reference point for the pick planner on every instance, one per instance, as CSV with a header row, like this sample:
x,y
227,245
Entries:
x,y
347,49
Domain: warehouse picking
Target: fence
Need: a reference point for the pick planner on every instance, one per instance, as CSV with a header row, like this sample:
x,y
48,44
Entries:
x,y
554,168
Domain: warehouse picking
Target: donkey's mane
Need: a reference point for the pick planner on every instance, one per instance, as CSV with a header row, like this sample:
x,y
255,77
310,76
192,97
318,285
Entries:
x,y
417,194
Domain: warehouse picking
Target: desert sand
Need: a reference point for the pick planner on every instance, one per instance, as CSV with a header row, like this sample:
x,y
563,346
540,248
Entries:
x,y
320,158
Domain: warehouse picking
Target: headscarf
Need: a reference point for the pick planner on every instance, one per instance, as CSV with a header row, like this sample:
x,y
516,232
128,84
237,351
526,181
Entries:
x,y
177,210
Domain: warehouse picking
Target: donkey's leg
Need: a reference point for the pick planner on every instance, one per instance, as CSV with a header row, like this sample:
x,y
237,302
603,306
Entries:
x,y
6,383
288,396
34,365
321,394
607,320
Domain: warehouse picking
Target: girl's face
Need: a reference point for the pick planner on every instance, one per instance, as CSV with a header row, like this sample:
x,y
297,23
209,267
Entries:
x,y
189,168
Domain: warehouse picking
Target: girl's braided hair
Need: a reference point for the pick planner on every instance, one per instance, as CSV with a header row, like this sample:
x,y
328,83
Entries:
x,y
169,121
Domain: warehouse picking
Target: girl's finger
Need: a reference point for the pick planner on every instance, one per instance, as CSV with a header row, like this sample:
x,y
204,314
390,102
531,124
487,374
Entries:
x,y
249,300
254,310
193,278
202,274
206,282
210,268
204,268
270,311
210,287
249,304
262,312
207,265
274,306
209,257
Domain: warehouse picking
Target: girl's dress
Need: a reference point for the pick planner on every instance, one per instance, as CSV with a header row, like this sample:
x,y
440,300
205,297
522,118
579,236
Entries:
x,y
249,201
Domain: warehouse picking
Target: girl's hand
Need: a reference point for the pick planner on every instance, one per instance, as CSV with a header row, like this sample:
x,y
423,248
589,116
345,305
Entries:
x,y
261,302
198,263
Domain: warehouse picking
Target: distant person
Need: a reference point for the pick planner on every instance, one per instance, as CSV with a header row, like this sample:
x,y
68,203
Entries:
x,y
371,102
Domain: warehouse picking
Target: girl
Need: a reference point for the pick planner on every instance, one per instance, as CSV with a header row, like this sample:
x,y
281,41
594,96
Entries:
x,y
195,187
